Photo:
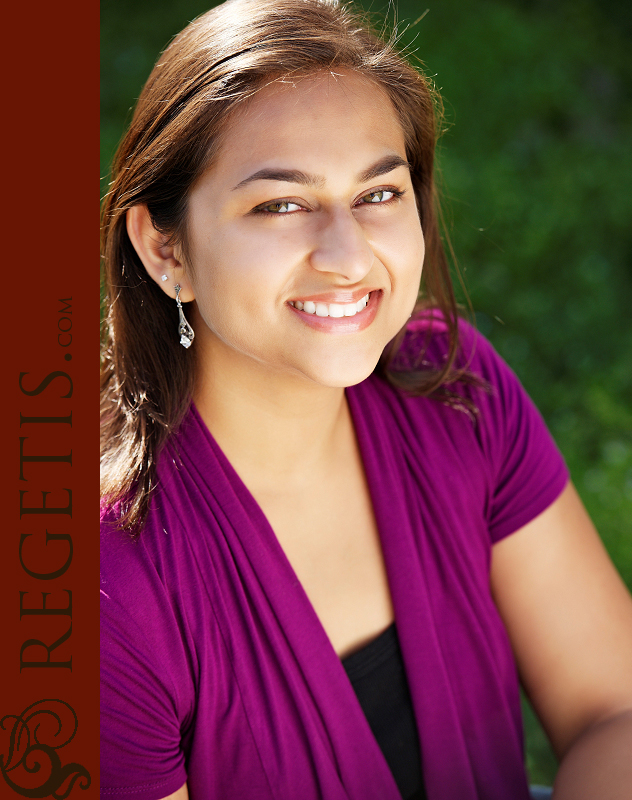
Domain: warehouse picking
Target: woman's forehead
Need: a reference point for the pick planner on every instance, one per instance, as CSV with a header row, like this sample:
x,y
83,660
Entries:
x,y
310,116
303,96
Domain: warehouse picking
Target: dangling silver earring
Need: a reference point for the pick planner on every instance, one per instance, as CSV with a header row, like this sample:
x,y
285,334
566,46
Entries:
x,y
187,334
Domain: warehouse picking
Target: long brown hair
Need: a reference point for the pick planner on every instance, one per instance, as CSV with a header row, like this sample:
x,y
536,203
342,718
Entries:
x,y
219,60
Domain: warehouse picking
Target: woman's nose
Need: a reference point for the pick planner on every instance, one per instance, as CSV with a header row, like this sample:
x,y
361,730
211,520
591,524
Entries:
x,y
342,247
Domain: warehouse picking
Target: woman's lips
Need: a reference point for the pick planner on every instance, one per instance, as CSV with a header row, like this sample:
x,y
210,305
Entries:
x,y
334,317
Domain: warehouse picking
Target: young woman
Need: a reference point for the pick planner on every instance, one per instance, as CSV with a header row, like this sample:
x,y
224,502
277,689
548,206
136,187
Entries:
x,y
333,523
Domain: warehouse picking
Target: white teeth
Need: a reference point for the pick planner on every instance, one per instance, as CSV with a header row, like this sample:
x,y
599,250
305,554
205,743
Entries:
x,y
336,310
331,309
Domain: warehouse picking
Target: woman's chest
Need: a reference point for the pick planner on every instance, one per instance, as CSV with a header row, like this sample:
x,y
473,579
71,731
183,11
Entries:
x,y
330,537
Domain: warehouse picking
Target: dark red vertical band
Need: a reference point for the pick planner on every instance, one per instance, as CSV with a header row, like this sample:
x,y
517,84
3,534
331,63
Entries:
x,y
49,454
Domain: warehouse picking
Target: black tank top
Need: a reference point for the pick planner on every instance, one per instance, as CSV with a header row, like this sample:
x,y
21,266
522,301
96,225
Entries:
x,y
377,675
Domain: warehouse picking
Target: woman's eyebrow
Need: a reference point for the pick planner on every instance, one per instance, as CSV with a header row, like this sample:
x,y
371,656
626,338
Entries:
x,y
285,175
381,167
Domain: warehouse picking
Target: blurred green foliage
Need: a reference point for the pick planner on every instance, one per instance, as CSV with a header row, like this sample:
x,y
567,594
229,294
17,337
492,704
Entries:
x,y
536,161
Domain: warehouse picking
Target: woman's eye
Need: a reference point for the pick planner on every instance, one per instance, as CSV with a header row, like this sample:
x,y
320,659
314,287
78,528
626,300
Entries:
x,y
380,196
278,207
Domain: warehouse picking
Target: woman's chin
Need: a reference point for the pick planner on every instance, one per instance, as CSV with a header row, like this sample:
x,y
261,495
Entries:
x,y
341,373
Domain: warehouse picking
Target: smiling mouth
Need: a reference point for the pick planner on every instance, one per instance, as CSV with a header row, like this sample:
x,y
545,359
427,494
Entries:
x,y
331,309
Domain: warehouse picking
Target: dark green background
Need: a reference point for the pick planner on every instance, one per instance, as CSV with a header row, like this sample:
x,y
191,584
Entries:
x,y
536,163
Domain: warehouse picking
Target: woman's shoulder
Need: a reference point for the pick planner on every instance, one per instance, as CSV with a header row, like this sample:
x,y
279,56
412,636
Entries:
x,y
480,381
171,472
482,417
141,563
426,344
149,591
189,496
476,381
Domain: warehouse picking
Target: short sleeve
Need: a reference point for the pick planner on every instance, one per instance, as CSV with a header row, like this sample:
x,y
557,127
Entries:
x,y
141,754
526,470
141,708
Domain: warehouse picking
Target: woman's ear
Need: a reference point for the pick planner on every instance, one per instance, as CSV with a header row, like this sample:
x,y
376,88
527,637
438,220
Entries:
x,y
158,256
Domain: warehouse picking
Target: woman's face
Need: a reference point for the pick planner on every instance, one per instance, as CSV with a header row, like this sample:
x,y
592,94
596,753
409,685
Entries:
x,y
307,211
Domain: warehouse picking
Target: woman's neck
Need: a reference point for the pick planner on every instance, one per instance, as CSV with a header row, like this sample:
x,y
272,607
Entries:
x,y
276,430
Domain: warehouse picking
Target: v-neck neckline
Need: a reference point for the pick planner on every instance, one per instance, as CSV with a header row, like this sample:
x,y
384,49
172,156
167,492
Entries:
x,y
255,508
312,648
